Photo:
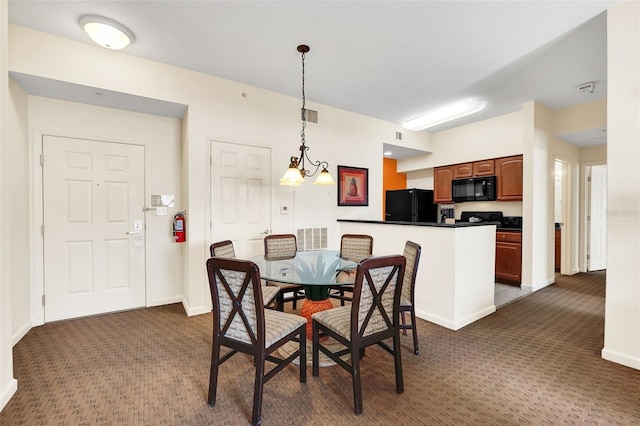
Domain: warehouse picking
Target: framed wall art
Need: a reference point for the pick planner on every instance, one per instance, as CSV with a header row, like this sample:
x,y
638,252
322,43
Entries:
x,y
353,186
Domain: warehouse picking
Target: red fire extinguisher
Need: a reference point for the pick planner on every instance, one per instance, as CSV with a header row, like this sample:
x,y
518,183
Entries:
x,y
179,229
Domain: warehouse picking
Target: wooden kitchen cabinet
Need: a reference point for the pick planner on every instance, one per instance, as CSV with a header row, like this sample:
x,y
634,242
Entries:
x,y
484,168
461,171
442,177
509,256
509,178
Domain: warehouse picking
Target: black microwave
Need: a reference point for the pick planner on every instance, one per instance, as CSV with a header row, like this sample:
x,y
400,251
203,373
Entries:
x,y
474,189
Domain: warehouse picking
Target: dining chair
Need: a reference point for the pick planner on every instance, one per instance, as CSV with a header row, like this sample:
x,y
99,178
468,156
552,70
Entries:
x,y
283,246
372,317
241,324
407,300
225,249
353,247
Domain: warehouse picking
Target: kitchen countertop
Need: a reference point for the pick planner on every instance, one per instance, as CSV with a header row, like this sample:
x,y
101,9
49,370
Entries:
x,y
438,225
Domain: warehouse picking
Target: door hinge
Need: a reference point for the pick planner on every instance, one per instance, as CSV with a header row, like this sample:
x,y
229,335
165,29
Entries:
x,y
43,300
589,179
42,230
42,159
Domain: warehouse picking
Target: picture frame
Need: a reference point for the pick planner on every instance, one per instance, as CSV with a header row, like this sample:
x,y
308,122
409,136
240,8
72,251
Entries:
x,y
353,186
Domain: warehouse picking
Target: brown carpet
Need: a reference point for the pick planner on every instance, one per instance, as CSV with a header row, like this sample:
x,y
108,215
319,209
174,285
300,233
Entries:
x,y
535,361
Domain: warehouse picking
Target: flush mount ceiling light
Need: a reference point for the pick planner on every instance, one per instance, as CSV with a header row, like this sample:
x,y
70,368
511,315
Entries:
x,y
106,32
297,171
444,114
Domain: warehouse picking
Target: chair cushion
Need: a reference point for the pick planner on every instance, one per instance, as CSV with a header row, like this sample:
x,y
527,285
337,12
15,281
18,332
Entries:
x,y
404,302
269,293
279,324
337,319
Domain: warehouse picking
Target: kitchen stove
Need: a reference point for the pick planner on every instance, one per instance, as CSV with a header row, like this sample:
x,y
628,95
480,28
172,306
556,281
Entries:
x,y
503,222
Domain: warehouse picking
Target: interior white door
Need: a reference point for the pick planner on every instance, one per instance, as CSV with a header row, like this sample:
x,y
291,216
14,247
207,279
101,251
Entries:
x,y
94,256
597,254
240,196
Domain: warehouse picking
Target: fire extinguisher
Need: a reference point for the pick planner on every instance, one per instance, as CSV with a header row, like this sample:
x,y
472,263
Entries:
x,y
179,229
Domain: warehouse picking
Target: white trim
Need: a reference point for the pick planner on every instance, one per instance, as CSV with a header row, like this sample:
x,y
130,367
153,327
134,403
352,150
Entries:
x,y
620,358
457,324
19,334
8,392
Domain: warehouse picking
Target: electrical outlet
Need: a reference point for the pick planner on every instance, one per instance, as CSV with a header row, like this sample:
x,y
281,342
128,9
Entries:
x,y
161,211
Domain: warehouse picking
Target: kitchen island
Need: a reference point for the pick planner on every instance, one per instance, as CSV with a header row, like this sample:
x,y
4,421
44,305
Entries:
x,y
455,280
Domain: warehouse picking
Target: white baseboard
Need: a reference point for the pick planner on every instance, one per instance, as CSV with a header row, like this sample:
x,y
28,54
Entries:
x,y
165,301
620,358
455,324
8,392
196,310
18,335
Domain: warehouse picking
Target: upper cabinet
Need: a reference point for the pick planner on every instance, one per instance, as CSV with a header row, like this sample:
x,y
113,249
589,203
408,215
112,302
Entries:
x,y
477,168
464,170
509,178
442,177
484,168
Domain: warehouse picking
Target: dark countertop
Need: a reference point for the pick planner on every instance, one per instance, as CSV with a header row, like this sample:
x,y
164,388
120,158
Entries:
x,y
433,224
509,229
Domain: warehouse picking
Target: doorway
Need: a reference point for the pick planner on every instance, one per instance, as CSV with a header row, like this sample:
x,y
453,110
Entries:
x,y
597,218
93,233
240,196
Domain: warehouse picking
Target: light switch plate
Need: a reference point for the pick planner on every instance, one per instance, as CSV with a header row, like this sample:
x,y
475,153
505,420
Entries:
x,y
161,211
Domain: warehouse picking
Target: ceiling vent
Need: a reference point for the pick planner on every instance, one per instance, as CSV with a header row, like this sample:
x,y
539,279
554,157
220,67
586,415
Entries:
x,y
310,115
399,136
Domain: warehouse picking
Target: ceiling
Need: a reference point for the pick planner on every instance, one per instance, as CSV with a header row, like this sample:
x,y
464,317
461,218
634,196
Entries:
x,y
391,60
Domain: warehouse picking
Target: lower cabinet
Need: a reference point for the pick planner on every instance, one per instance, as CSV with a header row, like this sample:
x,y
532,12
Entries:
x,y
509,256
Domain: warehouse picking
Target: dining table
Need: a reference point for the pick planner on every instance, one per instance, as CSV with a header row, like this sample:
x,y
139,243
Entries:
x,y
317,271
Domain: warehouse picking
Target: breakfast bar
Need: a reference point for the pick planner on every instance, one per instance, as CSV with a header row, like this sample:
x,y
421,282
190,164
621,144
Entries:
x,y
455,280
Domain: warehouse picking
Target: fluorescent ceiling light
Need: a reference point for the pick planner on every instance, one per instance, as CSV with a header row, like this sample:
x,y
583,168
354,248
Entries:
x,y
388,153
444,114
106,32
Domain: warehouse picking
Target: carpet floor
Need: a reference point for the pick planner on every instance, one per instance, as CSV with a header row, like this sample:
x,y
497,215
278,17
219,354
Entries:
x,y
535,361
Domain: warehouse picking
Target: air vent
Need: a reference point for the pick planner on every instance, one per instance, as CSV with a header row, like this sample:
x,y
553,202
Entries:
x,y
399,136
311,238
311,115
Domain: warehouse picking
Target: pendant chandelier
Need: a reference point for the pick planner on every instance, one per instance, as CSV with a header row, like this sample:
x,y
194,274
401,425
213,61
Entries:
x,y
297,171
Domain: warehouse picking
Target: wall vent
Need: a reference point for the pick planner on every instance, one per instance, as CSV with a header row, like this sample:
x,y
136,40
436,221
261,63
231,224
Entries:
x,y
311,239
399,136
311,115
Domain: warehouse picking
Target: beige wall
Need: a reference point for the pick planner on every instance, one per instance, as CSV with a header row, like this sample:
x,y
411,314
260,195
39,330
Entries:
x,y
622,322
8,384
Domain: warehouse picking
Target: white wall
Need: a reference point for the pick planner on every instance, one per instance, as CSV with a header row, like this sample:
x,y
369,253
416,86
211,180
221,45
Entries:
x,y
8,384
161,137
622,318
217,110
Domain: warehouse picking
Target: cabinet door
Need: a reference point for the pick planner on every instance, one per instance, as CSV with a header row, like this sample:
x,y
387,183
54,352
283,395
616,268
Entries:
x,y
464,170
508,261
509,178
484,168
442,177
557,251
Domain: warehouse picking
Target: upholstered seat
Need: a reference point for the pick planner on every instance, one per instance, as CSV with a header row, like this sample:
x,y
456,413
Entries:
x,y
242,324
412,254
372,317
225,249
283,246
353,247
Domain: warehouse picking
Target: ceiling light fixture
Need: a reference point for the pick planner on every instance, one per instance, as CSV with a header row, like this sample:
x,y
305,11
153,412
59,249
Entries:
x,y
444,114
106,32
295,174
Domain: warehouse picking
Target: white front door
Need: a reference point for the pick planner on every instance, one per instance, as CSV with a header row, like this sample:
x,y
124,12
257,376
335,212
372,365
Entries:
x,y
240,196
94,258
597,253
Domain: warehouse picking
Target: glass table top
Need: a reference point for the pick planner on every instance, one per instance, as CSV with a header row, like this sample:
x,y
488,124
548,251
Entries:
x,y
320,267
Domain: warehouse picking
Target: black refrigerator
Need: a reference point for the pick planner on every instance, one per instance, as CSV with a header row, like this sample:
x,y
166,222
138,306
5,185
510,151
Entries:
x,y
410,205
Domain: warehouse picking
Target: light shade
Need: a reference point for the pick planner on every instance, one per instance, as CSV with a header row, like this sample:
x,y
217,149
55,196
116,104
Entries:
x,y
324,178
444,114
106,32
292,177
